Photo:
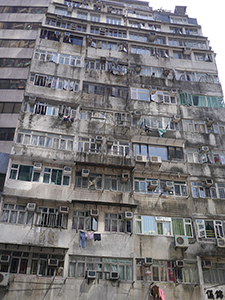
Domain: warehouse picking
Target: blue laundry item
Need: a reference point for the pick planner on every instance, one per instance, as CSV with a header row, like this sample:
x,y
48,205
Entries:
x,y
161,132
82,239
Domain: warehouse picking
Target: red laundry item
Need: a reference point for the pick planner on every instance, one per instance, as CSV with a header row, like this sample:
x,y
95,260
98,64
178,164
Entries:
x,y
162,294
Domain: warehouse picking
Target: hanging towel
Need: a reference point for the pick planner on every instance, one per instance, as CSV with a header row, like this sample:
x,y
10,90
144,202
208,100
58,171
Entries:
x,y
162,294
89,235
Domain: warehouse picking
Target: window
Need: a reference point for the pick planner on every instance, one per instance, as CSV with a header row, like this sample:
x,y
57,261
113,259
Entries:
x,y
203,57
201,101
16,214
18,26
138,37
114,91
57,58
140,94
164,152
163,187
14,63
217,190
81,15
7,134
66,25
22,9
82,220
51,217
191,31
39,139
155,122
178,20
108,32
187,43
12,84
117,223
163,97
95,64
180,55
215,274
62,12
92,182
24,173
113,20
160,40
150,225
194,126
95,18
114,183
103,266
89,145
176,30
140,50
119,148
210,229
55,176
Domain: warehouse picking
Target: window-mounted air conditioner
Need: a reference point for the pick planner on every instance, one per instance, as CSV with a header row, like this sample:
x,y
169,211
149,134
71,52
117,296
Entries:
x,y
32,99
169,185
4,279
53,262
67,33
140,158
148,261
125,177
166,72
94,212
181,241
221,243
209,122
102,31
153,89
85,172
69,8
137,114
114,275
99,139
67,170
110,8
176,118
179,263
157,160
151,37
37,166
91,274
128,215
173,92
208,183
187,51
204,149
137,68
5,258
64,209
206,264
31,206
109,140
152,185
73,26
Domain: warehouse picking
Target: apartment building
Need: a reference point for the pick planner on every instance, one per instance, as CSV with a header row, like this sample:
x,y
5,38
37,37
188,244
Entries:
x,y
115,181
19,24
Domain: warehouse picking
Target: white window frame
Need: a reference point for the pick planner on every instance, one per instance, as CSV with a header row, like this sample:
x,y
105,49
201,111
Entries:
x,y
137,92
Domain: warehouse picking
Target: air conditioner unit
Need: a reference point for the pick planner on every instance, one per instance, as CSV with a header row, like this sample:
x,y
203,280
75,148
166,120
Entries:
x,y
169,185
208,183
152,185
110,8
67,170
114,275
179,263
181,241
69,8
206,264
125,177
67,33
128,215
4,279
64,209
173,92
94,212
204,149
137,114
32,99
221,243
102,31
98,139
140,158
176,118
155,160
209,122
166,72
148,261
5,258
153,89
53,262
73,26
187,51
37,166
31,206
91,274
138,68
85,172
109,140
151,37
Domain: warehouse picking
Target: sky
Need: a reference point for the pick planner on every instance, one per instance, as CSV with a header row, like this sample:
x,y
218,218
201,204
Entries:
x,y
210,15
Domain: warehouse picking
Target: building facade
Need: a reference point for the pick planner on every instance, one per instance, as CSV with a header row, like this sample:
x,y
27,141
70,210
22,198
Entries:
x,y
116,178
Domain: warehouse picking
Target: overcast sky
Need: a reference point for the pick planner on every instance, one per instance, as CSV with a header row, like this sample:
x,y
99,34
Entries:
x,y
210,15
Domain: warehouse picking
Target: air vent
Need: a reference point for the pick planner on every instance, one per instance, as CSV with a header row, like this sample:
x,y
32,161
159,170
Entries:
x,y
91,274
85,172
94,212
31,206
64,209
128,215
114,275
179,263
53,262
181,241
